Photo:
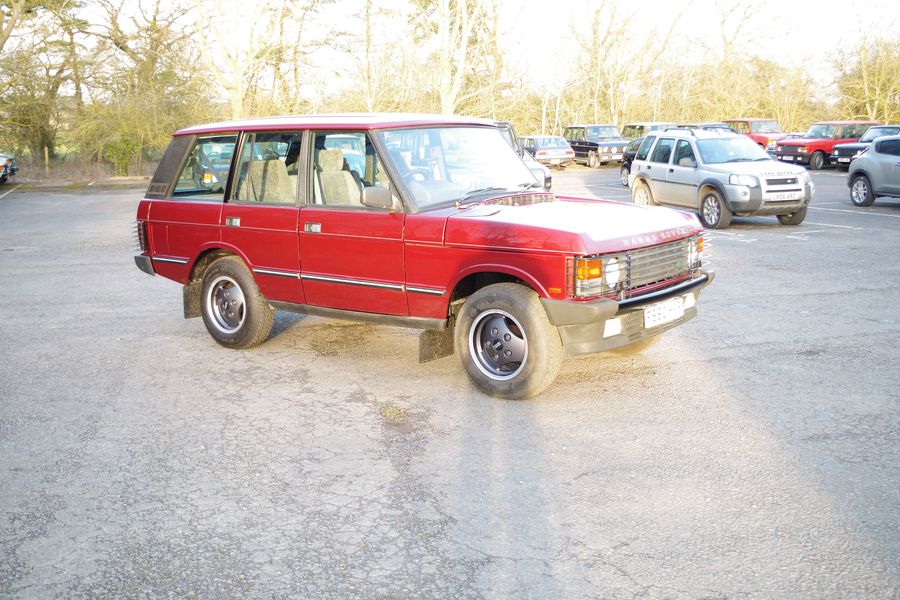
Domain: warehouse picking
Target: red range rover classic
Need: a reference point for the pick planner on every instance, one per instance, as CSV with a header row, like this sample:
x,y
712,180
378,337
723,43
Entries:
x,y
424,221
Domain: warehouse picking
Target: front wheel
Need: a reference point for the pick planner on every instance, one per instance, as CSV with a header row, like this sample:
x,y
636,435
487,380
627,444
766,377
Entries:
x,y
234,311
793,218
817,160
624,172
861,191
593,160
505,342
713,211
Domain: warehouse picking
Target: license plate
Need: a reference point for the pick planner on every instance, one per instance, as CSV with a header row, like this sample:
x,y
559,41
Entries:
x,y
844,160
784,196
616,156
663,312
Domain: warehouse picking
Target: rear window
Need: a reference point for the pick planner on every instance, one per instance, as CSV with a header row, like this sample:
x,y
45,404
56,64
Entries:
x,y
551,142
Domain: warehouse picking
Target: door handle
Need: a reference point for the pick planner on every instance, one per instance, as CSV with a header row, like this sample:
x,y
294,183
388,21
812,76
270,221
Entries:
x,y
312,227
671,170
648,167
232,221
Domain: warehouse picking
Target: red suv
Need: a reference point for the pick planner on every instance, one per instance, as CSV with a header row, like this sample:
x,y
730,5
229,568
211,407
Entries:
x,y
816,145
764,132
429,222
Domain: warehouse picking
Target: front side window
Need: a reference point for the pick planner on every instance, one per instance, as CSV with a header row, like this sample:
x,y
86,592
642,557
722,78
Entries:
x,y
345,163
441,165
684,152
575,133
633,131
205,171
268,169
663,150
765,127
821,131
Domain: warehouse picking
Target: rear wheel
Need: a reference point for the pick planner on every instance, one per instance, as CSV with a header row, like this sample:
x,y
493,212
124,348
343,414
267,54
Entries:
x,y
793,218
505,342
641,194
624,172
713,211
234,311
817,160
861,191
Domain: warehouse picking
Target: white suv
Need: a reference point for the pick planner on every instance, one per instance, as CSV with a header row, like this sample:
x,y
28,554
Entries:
x,y
719,174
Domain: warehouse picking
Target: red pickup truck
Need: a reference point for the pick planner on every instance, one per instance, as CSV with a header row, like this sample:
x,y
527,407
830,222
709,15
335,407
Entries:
x,y
817,144
431,222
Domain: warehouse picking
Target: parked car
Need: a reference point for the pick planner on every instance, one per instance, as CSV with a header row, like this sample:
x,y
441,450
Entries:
x,y
636,130
628,156
718,174
595,145
540,172
548,149
818,142
844,154
765,132
8,167
708,126
442,231
876,172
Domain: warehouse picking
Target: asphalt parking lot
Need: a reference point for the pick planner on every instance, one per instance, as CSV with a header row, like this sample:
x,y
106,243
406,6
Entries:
x,y
753,452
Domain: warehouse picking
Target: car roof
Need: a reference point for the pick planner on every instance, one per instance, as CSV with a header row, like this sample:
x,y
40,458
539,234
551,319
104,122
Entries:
x,y
846,123
684,132
592,125
651,123
540,135
336,121
749,119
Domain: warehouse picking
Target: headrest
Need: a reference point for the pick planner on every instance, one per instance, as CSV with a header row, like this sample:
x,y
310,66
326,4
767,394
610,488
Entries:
x,y
331,159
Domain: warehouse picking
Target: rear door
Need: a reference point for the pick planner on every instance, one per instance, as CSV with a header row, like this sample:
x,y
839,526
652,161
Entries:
x,y
657,168
260,219
352,255
888,154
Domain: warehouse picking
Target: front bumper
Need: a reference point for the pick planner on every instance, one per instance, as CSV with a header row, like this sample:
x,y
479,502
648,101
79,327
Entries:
x,y
755,201
606,324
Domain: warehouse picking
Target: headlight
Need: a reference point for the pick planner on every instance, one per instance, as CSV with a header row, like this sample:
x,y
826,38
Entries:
x,y
611,272
602,148
695,252
803,178
748,180
803,149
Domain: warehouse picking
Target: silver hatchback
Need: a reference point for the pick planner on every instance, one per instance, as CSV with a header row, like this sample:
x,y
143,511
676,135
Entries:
x,y
876,172
719,174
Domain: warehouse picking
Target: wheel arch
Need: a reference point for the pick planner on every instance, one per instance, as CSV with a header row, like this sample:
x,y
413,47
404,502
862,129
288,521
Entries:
x,y
708,185
191,289
475,278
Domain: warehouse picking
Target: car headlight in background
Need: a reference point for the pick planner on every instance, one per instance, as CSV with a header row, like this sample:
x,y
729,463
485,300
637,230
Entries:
x,y
803,149
748,180
612,274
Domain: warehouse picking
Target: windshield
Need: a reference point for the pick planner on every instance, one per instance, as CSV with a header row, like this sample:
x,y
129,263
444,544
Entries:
x,y
875,132
730,149
821,131
442,165
602,133
765,127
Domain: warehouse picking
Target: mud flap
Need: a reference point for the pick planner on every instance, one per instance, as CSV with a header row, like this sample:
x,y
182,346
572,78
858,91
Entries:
x,y
435,344
191,295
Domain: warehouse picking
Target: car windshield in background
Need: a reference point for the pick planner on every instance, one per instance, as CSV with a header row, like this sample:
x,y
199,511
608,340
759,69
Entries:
x,y
731,149
550,142
875,132
821,131
448,164
602,133
765,127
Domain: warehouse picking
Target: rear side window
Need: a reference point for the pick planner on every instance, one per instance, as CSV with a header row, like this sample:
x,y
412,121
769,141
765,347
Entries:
x,y
644,150
633,131
739,126
891,147
663,151
268,170
205,172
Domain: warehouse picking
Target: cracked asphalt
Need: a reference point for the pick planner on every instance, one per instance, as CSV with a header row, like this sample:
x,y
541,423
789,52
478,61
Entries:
x,y
752,453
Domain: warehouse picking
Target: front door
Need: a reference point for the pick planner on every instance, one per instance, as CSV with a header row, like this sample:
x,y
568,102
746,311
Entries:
x,y
682,176
352,255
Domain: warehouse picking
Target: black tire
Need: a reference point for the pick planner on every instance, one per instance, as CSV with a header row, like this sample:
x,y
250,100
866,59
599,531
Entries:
x,y
861,191
234,311
624,172
817,160
641,194
714,213
593,160
793,218
505,343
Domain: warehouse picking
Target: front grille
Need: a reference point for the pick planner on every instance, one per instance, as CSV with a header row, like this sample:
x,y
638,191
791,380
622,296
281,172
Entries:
x,y
643,269
782,181
845,151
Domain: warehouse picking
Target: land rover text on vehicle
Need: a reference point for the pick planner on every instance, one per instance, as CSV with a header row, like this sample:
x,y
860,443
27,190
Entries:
x,y
441,227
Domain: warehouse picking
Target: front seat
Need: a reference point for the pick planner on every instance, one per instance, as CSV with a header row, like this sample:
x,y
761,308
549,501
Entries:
x,y
339,187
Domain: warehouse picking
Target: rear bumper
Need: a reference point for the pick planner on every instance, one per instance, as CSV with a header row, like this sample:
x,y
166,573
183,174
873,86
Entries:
x,y
144,264
606,324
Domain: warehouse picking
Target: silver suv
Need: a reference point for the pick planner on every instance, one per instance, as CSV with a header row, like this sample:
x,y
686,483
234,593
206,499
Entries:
x,y
719,174
876,172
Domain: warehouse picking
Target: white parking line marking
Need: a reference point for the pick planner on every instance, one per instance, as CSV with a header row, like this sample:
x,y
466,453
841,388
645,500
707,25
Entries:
x,y
841,226
857,212
10,191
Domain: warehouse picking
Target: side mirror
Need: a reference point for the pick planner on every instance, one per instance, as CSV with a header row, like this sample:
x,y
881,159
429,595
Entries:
x,y
687,162
377,197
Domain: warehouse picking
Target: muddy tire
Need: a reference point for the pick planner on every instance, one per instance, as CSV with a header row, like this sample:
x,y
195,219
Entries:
x,y
234,311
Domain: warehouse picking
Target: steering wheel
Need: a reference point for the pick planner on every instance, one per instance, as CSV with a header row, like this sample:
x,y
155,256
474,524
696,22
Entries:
x,y
412,172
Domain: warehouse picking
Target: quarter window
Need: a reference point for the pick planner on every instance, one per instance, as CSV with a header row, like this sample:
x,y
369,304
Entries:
x,y
268,170
205,171
663,151
644,150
